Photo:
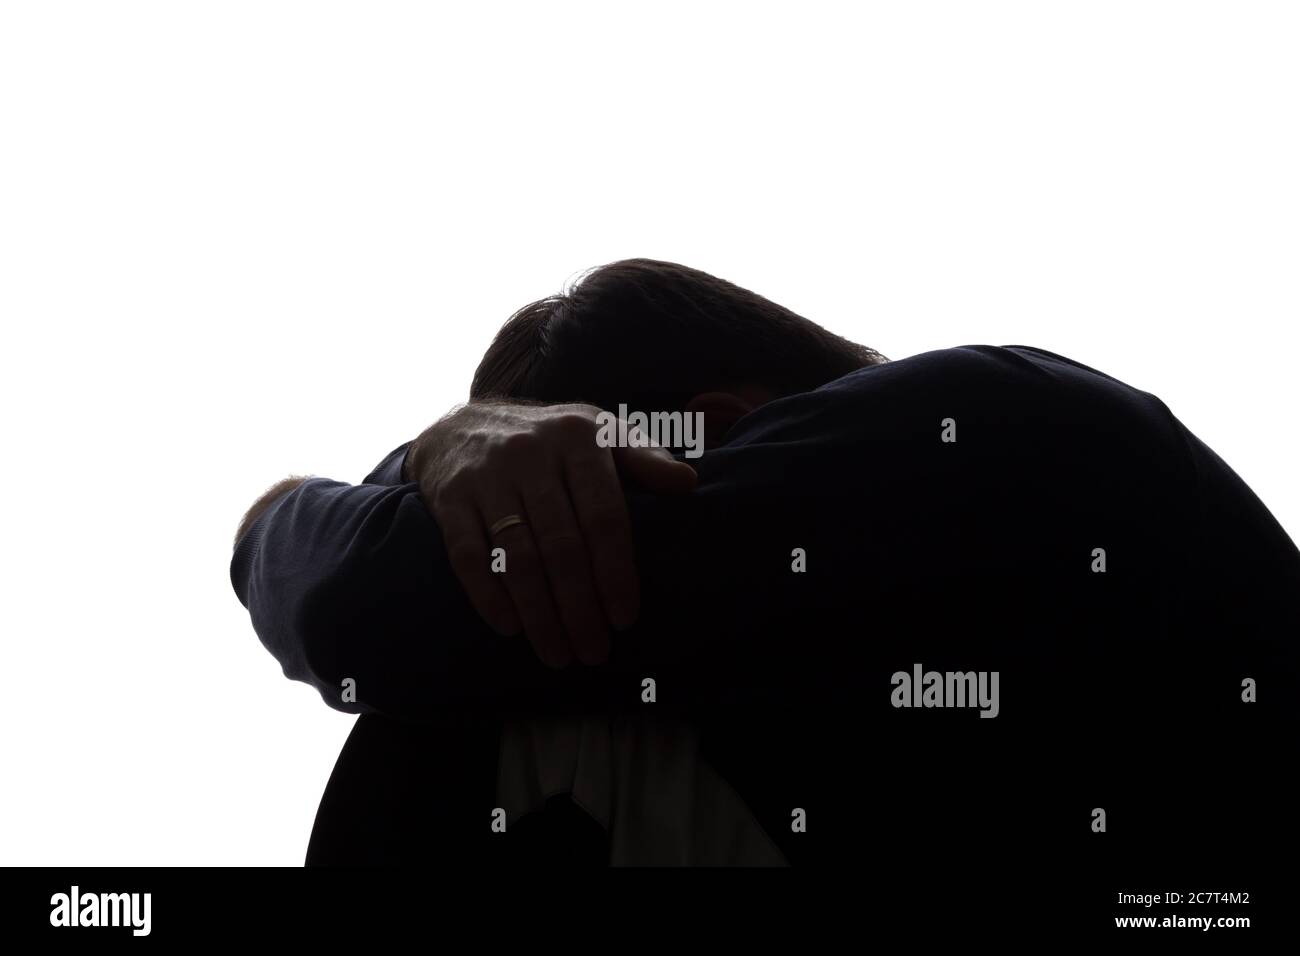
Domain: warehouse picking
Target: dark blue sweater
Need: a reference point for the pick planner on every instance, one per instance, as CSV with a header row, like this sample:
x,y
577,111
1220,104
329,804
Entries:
x,y
977,554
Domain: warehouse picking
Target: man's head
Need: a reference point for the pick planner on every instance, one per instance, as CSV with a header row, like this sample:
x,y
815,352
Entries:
x,y
657,336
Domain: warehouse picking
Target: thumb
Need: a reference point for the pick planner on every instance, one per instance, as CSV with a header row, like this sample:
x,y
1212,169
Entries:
x,y
654,469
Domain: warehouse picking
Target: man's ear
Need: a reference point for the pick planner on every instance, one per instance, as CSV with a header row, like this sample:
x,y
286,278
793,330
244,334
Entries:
x,y
721,410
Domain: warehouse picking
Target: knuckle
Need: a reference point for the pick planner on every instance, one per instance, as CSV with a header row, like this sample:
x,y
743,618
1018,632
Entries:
x,y
571,424
517,444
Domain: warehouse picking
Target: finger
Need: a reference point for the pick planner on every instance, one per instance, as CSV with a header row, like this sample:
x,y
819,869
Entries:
x,y
597,496
654,469
568,569
467,544
525,579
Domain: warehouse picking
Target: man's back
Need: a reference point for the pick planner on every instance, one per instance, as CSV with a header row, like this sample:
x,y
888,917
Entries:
x,y
1000,513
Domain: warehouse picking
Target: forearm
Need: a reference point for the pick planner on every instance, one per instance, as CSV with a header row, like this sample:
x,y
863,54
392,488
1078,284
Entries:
x,y
351,583
354,584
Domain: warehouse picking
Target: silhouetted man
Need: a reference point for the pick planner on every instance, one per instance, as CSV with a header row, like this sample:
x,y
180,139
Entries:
x,y
981,603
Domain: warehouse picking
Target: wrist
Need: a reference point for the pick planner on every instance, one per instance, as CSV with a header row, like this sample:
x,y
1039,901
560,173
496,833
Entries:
x,y
419,454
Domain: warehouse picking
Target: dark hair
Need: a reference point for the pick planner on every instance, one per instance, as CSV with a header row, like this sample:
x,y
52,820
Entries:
x,y
652,334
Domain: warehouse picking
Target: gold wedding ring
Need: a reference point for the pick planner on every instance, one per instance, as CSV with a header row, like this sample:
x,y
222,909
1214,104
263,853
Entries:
x,y
509,521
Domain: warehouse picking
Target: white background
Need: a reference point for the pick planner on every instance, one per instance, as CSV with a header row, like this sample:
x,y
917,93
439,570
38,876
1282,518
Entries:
x,y
240,240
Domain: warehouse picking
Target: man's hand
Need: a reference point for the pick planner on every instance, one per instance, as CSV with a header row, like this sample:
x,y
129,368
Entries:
x,y
569,572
